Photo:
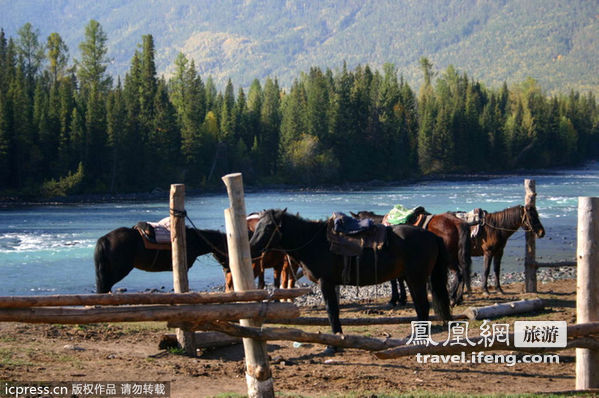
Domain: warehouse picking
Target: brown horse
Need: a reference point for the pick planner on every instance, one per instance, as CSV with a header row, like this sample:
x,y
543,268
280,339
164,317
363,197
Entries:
x,y
456,237
495,230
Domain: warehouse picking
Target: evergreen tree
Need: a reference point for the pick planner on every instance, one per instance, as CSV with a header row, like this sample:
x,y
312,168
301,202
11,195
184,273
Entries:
x,y
58,56
270,125
30,51
91,69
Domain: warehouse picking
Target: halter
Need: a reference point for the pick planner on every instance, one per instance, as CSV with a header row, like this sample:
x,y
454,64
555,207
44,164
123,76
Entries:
x,y
275,230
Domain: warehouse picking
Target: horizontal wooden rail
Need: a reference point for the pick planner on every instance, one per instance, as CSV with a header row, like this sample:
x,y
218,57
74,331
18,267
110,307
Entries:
x,y
579,332
322,321
189,313
148,298
346,341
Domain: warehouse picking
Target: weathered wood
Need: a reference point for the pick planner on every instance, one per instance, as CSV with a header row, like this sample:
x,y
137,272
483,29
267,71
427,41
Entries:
x,y
258,374
149,298
401,351
587,288
179,257
557,264
530,269
210,339
346,341
322,321
503,309
188,313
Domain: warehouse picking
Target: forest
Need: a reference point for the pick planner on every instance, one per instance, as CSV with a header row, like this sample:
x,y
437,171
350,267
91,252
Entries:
x,y
68,127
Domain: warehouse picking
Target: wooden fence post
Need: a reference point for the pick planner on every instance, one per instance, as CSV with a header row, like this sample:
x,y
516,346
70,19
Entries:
x,y
179,258
530,266
258,374
587,288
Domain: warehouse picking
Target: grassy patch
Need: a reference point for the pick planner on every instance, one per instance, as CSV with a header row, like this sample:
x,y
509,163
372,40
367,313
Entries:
x,y
9,357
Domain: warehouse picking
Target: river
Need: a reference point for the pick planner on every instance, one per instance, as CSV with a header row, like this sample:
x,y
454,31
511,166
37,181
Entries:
x,y
49,249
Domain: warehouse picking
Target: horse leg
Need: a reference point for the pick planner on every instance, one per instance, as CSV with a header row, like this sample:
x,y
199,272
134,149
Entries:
x,y
497,269
329,293
276,275
394,293
259,273
419,297
403,298
486,271
457,288
228,281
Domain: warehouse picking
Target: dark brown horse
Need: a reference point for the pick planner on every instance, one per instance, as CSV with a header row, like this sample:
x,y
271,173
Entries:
x,y
456,237
409,252
494,232
122,249
284,268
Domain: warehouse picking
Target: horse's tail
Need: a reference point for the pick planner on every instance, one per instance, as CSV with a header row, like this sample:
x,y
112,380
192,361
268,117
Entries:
x,y
465,252
439,283
102,263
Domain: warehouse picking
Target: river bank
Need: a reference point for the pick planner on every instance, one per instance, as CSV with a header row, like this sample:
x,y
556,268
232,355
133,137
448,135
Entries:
x,y
162,193
130,352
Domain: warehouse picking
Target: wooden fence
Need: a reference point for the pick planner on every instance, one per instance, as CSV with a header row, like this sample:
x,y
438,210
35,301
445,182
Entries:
x,y
212,311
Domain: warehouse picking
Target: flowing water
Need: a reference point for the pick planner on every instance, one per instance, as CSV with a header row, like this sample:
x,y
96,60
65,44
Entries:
x,y
49,249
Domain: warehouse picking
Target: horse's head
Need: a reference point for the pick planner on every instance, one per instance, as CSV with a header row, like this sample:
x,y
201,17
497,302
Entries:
x,y
267,234
531,221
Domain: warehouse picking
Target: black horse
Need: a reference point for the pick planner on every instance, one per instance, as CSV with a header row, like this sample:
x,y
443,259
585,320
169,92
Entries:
x,y
409,252
494,232
122,249
456,237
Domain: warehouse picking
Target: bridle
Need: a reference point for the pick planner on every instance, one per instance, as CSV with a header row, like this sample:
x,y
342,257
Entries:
x,y
277,230
525,223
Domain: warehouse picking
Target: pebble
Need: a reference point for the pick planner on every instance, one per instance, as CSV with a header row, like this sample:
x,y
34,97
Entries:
x,y
73,347
314,298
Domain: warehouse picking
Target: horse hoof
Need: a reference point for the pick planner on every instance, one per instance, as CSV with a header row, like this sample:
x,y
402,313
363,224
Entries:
x,y
391,304
402,303
500,290
486,293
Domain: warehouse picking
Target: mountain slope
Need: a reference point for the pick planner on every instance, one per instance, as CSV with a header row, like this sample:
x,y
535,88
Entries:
x,y
553,41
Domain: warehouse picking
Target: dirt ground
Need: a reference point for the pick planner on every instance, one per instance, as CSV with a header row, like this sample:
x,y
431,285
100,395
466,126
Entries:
x,y
129,352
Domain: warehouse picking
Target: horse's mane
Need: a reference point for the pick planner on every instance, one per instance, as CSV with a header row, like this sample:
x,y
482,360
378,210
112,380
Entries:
x,y
507,217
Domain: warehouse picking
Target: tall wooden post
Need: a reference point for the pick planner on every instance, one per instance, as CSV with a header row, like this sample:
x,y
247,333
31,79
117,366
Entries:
x,y
258,374
530,263
587,288
179,258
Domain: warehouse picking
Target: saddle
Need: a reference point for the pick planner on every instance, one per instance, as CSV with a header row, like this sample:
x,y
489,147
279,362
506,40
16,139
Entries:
x,y
156,236
475,219
417,216
348,236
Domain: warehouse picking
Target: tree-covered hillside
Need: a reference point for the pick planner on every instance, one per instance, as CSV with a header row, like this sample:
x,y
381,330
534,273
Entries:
x,y
68,126
552,41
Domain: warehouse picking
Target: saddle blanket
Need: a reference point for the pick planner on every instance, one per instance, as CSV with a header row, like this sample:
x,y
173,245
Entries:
x,y
344,224
348,236
475,218
402,215
156,235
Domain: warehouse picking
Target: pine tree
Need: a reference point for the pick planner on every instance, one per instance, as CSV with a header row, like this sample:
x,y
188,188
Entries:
x,y
31,51
270,125
58,56
91,69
